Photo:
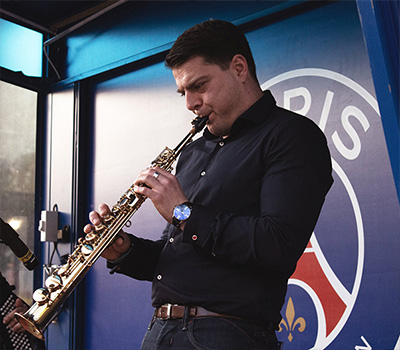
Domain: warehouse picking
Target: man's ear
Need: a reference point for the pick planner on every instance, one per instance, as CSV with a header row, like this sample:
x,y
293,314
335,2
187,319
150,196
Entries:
x,y
240,67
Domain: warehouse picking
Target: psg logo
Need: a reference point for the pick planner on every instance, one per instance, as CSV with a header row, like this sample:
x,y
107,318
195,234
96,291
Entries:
x,y
324,288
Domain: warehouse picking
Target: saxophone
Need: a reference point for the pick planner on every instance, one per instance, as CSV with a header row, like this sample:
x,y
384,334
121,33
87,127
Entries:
x,y
61,283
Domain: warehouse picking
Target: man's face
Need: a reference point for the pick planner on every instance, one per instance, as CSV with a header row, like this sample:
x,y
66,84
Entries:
x,y
210,91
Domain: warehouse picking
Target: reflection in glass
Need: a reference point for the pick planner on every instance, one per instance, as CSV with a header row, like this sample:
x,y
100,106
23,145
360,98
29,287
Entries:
x,y
17,179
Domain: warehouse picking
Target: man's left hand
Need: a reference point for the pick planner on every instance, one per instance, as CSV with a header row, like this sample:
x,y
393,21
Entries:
x,y
162,188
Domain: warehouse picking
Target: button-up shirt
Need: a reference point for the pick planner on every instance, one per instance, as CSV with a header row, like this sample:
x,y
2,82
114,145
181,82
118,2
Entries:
x,y
256,196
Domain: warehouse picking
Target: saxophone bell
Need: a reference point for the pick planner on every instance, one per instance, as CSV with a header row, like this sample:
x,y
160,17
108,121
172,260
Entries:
x,y
26,321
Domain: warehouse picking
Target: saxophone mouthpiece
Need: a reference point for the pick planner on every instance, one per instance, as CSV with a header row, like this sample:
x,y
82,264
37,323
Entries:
x,y
198,124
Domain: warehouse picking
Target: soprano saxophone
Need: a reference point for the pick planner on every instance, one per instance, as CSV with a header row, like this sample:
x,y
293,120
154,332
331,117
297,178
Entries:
x,y
61,283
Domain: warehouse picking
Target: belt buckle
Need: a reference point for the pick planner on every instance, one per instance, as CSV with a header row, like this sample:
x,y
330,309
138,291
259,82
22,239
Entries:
x,y
169,309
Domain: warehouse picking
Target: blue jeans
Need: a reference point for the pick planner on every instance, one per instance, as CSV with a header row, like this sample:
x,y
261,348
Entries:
x,y
208,333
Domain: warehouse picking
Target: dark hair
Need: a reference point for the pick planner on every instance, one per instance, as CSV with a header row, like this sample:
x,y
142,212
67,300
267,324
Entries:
x,y
216,41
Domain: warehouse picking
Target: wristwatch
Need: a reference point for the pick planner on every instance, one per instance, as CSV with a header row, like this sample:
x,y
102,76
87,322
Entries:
x,y
181,213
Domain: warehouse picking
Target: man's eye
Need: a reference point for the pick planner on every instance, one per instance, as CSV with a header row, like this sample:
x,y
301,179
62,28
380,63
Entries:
x,y
199,85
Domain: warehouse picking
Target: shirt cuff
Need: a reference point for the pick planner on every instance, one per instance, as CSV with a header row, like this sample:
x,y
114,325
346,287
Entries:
x,y
197,229
114,264
122,257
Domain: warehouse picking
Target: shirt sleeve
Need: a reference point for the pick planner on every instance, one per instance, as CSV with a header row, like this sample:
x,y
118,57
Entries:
x,y
297,176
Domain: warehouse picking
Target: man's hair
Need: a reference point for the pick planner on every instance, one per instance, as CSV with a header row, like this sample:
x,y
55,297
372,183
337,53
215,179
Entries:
x,y
216,41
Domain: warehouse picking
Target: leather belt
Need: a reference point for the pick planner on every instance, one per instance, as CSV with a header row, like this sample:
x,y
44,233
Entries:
x,y
170,311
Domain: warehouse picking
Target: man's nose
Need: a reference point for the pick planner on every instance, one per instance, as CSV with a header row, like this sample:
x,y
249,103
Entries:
x,y
193,101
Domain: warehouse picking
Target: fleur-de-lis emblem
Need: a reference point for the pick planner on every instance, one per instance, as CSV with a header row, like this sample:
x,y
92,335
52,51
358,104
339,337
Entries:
x,y
290,317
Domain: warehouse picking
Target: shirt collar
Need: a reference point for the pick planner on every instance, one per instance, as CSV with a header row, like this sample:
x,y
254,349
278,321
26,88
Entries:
x,y
255,115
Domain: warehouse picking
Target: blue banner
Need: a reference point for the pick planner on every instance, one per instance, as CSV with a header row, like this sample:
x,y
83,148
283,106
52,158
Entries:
x,y
345,291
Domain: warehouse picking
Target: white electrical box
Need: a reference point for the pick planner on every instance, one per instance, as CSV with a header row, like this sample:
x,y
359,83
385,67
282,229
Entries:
x,y
48,226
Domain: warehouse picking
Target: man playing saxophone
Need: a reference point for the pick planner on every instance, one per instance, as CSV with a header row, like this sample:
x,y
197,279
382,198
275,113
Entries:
x,y
240,210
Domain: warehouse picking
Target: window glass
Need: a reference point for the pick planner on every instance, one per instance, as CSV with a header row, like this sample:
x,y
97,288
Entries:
x,y
20,49
17,179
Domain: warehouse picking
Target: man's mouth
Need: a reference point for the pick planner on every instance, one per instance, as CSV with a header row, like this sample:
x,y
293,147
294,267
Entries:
x,y
207,116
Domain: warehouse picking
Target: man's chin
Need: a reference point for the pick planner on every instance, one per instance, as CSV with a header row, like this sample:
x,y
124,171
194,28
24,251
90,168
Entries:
x,y
210,128
215,131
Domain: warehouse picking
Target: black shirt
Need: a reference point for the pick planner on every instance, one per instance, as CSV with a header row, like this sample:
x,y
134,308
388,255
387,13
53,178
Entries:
x,y
256,198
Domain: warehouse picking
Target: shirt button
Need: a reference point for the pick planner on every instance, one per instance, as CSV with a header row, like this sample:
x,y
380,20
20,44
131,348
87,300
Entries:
x,y
203,173
194,238
171,239
159,277
222,143
213,254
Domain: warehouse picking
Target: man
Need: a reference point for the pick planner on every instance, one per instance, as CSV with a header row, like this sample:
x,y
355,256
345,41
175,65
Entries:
x,y
240,210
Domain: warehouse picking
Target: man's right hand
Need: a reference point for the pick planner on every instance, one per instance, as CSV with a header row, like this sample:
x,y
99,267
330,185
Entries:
x,y
120,246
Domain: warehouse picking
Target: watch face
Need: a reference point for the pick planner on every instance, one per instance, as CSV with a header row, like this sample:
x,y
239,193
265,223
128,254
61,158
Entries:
x,y
182,212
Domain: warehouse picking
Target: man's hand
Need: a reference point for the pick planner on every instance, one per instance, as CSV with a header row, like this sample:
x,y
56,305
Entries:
x,y
10,319
163,189
120,246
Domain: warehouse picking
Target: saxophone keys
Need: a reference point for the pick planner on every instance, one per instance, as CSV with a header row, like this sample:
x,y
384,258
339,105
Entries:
x,y
86,249
123,202
130,193
53,282
63,270
91,237
100,227
41,296
108,218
